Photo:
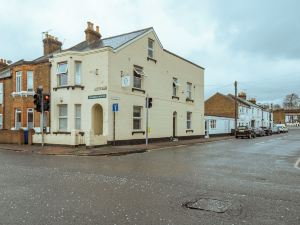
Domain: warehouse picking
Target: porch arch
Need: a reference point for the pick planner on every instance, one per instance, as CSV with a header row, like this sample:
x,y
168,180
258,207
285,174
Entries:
x,y
97,119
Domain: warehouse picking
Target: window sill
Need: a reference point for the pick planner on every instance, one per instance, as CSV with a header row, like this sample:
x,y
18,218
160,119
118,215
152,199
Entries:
x,y
138,132
151,59
68,87
175,97
189,100
138,89
189,131
61,132
23,93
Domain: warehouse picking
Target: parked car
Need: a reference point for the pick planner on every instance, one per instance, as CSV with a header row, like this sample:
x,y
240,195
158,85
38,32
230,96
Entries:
x,y
268,131
282,128
259,132
245,131
275,130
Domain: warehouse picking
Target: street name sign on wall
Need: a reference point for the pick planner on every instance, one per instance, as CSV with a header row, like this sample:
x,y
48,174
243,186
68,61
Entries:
x,y
96,96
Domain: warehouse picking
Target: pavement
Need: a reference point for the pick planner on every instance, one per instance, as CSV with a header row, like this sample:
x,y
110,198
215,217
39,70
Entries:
x,y
228,182
105,150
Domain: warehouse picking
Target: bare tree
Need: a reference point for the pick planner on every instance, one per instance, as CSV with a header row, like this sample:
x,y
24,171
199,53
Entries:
x,y
291,101
276,106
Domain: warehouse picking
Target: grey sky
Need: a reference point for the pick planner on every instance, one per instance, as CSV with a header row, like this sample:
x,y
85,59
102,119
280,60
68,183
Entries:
x,y
253,42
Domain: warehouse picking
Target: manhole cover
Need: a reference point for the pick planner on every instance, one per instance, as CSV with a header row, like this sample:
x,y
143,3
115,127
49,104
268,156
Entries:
x,y
213,205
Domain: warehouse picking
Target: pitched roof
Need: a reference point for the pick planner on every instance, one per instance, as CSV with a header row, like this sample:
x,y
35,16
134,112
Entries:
x,y
113,42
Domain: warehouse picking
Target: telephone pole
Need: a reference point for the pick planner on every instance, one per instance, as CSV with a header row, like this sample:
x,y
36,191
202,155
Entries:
x,y
235,107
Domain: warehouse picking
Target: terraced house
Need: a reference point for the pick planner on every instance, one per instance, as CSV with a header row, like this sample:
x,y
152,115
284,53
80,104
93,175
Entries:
x,y
92,76
18,82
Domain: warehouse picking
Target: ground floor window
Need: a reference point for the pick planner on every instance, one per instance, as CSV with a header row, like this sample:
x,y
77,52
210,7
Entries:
x,y
77,117
189,120
1,121
213,124
137,117
30,123
63,117
18,119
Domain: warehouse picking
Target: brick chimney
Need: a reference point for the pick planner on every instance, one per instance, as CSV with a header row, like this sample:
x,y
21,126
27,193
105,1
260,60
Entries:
x,y
242,95
3,64
51,44
92,35
252,100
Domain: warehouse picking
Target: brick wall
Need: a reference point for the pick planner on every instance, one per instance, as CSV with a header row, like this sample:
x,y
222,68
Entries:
x,y
12,137
41,77
279,116
219,105
5,108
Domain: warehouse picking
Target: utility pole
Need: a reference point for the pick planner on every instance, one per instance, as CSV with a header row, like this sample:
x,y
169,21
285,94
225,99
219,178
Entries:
x,y
147,116
235,107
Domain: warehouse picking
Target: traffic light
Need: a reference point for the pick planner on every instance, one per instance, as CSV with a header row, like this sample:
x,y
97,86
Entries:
x,y
46,102
38,100
149,101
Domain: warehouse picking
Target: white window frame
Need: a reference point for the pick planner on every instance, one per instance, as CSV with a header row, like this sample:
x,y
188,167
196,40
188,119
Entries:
x,y
189,90
62,74
1,93
77,117
30,110
189,120
18,111
175,87
62,117
1,121
78,76
18,81
140,118
28,81
151,48
138,74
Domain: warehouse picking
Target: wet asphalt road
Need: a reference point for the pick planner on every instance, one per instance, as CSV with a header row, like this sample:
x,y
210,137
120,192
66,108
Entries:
x,y
257,178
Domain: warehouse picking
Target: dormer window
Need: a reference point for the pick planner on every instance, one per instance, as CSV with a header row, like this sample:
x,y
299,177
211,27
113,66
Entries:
x,y
150,48
62,74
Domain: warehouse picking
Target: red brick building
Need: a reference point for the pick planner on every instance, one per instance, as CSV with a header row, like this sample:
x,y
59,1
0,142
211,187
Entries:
x,y
18,82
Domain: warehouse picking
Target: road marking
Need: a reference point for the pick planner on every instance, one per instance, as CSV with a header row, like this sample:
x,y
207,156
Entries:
x,y
297,164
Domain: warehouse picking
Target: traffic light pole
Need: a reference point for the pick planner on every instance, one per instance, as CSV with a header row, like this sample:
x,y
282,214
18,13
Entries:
x,y
147,116
42,119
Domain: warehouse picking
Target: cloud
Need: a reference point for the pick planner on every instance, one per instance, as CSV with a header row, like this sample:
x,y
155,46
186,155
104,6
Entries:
x,y
253,42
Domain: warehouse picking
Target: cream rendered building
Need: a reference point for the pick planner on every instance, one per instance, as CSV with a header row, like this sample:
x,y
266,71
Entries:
x,y
87,79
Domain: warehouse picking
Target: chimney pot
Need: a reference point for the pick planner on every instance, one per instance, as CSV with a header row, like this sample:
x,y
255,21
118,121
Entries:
x,y
92,35
51,44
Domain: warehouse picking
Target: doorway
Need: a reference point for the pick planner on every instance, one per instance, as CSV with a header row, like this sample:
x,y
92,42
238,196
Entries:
x,y
174,124
97,119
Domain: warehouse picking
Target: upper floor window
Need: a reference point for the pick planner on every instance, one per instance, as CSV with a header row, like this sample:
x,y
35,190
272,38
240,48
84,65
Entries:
x,y
62,74
18,81
77,73
175,86
150,48
138,73
1,93
29,81
189,90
